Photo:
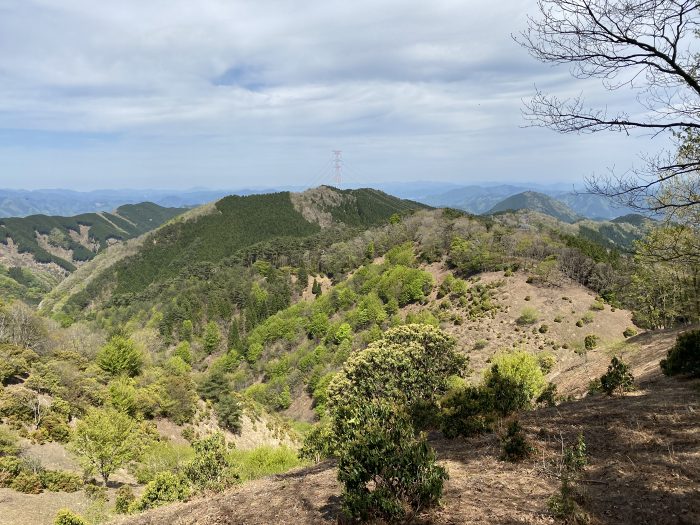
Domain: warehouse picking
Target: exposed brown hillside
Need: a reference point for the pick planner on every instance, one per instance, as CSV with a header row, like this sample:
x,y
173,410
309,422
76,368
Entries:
x,y
644,466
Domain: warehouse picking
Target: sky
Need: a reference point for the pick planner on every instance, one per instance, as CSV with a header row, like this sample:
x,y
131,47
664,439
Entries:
x,y
230,93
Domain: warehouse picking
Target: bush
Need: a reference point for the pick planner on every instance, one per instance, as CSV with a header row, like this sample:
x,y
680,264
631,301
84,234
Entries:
x,y
546,362
466,412
528,316
166,487
590,342
480,344
514,379
124,500
386,470
514,444
548,397
597,306
9,443
210,468
629,332
66,517
618,378
579,323
543,329
684,356
27,482
59,481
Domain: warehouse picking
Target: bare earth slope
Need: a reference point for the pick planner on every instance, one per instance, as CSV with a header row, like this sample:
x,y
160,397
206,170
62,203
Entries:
x,y
644,466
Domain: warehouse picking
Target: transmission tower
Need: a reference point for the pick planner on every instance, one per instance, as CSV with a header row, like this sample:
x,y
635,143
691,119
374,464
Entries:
x,y
338,166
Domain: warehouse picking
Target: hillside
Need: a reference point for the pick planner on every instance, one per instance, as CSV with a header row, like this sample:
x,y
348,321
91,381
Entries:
x,y
224,234
66,242
246,338
643,457
535,201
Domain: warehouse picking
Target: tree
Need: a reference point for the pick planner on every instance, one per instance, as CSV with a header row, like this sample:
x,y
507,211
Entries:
x,y
647,47
212,337
120,356
228,412
105,440
618,378
410,363
388,472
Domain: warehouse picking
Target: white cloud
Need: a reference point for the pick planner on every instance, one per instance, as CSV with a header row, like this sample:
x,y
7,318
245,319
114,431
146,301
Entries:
x,y
215,85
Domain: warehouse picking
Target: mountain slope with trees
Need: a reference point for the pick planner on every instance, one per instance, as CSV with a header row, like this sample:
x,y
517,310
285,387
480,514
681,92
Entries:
x,y
532,200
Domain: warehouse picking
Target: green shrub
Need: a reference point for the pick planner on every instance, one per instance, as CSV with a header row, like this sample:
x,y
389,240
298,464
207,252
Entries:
x,y
166,487
59,481
95,492
386,470
66,517
467,411
629,332
597,306
514,379
579,323
27,482
480,344
319,443
210,469
9,442
590,342
558,319
587,318
546,361
618,378
124,500
528,316
684,356
514,444
543,329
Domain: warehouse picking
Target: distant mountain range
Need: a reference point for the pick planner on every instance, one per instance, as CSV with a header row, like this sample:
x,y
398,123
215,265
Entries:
x,y
482,199
475,198
21,203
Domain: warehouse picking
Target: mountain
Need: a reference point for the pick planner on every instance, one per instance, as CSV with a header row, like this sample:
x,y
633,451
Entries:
x,y
474,199
225,233
481,198
70,241
535,201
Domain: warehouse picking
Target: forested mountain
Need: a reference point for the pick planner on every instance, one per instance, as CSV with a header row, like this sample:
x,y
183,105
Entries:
x,y
215,241
36,252
531,200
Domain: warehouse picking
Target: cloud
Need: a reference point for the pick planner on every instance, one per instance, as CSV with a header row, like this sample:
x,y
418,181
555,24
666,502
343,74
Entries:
x,y
230,87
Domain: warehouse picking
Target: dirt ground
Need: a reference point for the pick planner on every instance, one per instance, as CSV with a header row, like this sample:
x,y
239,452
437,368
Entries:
x,y
643,454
